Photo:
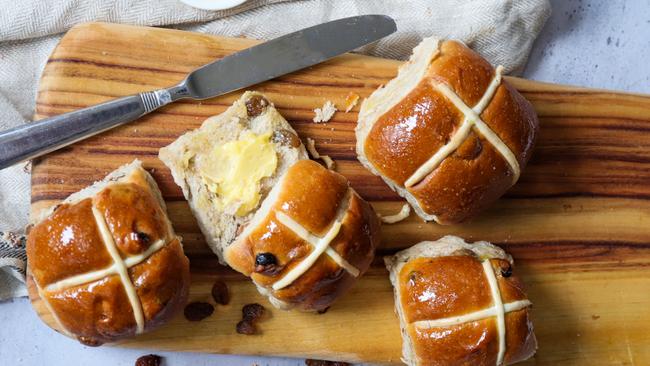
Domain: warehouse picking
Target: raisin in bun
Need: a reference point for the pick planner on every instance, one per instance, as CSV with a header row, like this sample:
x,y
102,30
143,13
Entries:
x,y
105,263
449,134
191,159
311,239
460,304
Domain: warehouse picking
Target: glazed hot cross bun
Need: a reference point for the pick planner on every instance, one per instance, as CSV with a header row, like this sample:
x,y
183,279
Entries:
x,y
311,239
106,262
449,134
460,304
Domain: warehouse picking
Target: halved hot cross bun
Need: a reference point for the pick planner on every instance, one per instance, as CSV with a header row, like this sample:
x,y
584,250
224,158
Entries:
x,y
460,304
228,165
311,239
106,262
448,133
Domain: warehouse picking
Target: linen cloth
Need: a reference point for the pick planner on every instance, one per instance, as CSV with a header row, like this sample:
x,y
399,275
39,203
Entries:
x,y
503,31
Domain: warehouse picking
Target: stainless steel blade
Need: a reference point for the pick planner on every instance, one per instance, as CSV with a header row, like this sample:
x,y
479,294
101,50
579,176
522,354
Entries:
x,y
286,54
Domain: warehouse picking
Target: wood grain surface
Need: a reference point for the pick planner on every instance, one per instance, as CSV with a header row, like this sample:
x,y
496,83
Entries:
x,y
577,222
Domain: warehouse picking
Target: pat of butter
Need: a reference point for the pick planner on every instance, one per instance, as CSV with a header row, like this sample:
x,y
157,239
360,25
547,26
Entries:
x,y
233,170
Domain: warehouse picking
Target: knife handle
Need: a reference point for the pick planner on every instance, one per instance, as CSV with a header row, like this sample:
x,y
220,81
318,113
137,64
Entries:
x,y
35,139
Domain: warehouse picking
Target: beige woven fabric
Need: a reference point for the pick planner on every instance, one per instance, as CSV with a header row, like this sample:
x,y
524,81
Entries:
x,y
501,30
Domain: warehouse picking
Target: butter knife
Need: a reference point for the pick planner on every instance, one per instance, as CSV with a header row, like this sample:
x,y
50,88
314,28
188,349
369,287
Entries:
x,y
254,65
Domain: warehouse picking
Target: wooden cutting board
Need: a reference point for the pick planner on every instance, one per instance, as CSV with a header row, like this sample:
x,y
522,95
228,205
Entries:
x,y
577,222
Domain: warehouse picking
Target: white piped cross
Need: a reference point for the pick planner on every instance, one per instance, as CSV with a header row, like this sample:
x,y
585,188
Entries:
x,y
320,245
119,266
499,309
471,119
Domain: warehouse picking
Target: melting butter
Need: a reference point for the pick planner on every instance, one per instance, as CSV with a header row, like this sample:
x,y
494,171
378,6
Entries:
x,y
233,171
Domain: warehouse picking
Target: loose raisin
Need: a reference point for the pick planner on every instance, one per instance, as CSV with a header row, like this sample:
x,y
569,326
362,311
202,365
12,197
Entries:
x,y
252,312
246,327
220,293
148,360
196,311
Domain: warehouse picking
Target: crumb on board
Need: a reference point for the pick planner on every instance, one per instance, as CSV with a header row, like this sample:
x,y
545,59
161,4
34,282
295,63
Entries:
x,y
311,147
401,215
325,113
350,101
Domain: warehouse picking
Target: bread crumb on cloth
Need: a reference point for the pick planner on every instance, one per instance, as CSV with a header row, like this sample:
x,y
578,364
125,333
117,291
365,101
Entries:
x,y
311,148
401,215
325,113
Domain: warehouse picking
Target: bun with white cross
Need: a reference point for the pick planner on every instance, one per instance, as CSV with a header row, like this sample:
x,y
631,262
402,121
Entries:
x,y
106,262
460,303
449,134
312,237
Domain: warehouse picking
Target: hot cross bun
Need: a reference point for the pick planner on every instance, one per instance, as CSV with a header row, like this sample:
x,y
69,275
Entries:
x,y
311,239
460,304
106,262
449,134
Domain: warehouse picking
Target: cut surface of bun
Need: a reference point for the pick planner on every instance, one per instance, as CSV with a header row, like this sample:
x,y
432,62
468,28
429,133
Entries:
x,y
106,262
460,303
254,114
449,134
309,242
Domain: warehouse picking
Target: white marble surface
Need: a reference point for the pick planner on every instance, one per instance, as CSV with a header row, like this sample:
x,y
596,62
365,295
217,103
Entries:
x,y
602,44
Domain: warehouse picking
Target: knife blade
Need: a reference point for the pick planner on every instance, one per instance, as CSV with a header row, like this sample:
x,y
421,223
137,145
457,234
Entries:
x,y
257,64
286,54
